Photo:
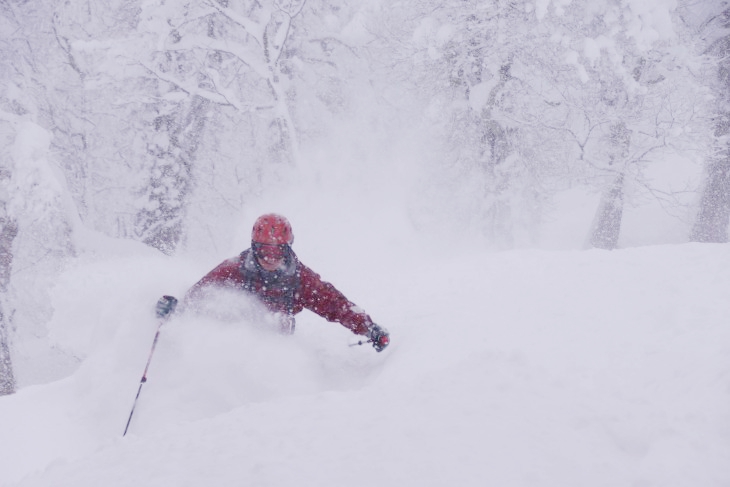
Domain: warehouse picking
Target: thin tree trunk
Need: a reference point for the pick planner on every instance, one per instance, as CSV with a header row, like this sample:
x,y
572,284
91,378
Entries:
x,y
7,377
607,223
8,231
711,225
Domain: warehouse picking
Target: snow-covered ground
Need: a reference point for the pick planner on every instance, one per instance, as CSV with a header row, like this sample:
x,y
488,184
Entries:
x,y
518,368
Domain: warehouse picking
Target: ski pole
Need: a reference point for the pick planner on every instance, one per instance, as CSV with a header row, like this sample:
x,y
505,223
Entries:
x,y
165,306
360,342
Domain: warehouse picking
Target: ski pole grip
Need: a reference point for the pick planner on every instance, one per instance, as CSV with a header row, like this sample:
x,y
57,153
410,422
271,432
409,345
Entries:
x,y
165,306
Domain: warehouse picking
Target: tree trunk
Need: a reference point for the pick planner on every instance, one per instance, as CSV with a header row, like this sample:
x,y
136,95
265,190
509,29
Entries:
x,y
711,225
8,231
7,378
607,223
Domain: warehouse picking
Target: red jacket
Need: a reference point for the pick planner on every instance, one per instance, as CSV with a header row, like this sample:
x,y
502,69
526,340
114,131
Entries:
x,y
289,291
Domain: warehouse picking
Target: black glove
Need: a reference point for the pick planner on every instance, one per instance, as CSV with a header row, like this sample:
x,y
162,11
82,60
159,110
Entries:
x,y
379,337
165,306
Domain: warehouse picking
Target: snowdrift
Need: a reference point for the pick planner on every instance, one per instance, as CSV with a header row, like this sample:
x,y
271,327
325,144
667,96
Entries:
x,y
521,368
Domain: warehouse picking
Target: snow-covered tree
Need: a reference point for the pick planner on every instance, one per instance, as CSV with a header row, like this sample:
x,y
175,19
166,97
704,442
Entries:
x,y
462,60
540,97
36,204
712,22
207,100
631,105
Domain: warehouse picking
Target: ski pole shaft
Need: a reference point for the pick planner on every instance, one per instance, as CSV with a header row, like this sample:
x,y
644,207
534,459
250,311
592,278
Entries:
x,y
144,375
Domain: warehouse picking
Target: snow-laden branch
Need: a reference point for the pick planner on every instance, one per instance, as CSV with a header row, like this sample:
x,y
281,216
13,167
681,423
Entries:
x,y
239,51
192,88
230,95
282,34
254,29
220,95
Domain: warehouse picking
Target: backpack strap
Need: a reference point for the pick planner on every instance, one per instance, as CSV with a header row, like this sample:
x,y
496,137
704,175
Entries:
x,y
276,289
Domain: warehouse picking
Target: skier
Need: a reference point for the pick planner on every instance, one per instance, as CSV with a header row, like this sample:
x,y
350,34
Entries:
x,y
272,272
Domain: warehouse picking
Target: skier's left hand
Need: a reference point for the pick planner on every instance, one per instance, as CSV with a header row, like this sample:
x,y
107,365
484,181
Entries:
x,y
379,336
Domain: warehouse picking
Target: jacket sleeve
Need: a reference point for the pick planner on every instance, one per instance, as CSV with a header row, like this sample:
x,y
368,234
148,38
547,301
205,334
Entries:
x,y
225,275
324,299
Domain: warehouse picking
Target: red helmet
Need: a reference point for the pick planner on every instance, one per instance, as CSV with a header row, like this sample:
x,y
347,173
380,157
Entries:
x,y
272,229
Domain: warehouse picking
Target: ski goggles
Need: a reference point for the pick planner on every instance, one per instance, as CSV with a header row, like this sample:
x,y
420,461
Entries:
x,y
270,252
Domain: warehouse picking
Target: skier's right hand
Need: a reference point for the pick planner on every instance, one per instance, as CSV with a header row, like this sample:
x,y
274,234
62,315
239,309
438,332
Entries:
x,y
165,306
379,336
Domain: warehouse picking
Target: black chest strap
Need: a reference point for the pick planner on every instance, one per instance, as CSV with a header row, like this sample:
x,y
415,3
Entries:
x,y
276,289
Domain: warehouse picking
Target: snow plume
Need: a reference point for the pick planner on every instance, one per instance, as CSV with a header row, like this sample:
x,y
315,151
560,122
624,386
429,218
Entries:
x,y
34,184
36,198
